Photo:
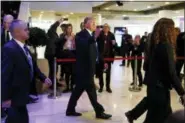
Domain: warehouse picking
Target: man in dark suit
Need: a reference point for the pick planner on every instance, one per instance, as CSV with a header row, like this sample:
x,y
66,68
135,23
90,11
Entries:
x,y
106,47
125,46
18,70
86,56
5,34
180,53
50,52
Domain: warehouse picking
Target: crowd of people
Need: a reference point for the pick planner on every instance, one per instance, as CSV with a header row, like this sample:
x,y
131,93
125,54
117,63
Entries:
x,y
90,47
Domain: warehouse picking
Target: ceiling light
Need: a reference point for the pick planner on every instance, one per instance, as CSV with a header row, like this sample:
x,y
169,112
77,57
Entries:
x,y
116,4
166,3
71,13
41,12
135,9
107,8
124,15
148,7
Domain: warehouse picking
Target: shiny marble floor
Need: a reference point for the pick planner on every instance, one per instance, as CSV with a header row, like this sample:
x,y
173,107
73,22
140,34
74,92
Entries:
x,y
117,103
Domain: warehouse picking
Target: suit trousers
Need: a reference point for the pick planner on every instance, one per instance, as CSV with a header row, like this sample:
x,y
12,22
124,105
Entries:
x,y
179,65
139,109
108,75
17,115
139,64
159,106
91,91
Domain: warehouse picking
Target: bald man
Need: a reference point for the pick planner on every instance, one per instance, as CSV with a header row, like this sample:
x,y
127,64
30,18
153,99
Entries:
x,y
17,71
86,58
5,33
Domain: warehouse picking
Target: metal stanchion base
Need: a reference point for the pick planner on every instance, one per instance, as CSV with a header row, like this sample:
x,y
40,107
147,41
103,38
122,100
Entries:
x,y
134,88
58,95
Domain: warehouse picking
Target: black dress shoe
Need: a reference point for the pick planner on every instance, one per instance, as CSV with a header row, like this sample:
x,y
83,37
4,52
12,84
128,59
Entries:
x,y
140,85
100,90
132,83
109,90
76,114
103,116
129,118
33,99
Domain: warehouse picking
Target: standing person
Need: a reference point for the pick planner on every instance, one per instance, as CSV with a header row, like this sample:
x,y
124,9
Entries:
x,y
5,33
180,53
18,70
162,74
5,37
106,46
86,56
50,52
67,49
126,43
136,50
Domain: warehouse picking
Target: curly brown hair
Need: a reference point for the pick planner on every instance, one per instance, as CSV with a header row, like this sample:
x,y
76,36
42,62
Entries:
x,y
163,31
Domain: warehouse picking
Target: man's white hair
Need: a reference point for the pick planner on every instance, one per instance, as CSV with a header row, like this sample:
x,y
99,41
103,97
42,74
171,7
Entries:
x,y
8,18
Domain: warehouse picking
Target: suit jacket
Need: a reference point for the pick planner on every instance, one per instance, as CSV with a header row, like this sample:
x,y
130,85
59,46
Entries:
x,y
3,40
101,41
125,43
53,39
86,55
15,74
180,44
161,72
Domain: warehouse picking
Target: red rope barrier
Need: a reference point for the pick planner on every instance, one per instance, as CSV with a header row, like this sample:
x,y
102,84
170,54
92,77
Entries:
x,y
111,59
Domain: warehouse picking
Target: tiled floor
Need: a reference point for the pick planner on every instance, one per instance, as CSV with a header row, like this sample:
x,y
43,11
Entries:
x,y
117,103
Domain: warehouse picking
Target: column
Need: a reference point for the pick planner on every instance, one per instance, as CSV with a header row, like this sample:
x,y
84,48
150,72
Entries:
x,y
99,19
24,11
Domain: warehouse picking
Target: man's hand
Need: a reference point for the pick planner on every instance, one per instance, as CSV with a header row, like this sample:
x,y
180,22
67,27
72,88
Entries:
x,y
106,66
47,82
61,20
113,42
6,104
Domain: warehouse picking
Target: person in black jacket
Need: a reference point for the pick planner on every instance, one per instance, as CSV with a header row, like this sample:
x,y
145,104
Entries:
x,y
126,43
136,50
5,33
18,70
180,53
161,75
86,56
66,49
50,52
106,47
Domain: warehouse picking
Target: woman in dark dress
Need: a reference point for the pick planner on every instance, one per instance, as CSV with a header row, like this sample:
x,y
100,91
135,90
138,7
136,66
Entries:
x,y
162,75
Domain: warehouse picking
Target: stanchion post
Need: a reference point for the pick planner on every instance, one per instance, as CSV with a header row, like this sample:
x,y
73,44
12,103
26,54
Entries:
x,y
55,81
135,71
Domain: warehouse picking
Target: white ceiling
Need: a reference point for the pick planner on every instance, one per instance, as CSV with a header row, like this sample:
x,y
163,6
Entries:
x,y
138,6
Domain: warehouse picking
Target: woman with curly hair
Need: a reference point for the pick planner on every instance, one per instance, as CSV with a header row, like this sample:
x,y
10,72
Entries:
x,y
161,74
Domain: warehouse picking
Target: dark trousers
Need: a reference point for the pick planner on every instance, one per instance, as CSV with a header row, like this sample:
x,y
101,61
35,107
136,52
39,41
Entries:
x,y
139,65
51,67
139,109
159,106
126,55
77,92
179,65
17,115
108,75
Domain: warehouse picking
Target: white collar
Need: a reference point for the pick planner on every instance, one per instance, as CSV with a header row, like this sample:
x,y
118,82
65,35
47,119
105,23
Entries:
x,y
90,32
19,43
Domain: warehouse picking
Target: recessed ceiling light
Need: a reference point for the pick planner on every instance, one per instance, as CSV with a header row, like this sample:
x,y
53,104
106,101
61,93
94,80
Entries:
x,y
71,13
167,3
124,15
41,12
148,7
107,8
135,9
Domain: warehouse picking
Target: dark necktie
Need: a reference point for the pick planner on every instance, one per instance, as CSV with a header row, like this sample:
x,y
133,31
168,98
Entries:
x,y
7,37
29,60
